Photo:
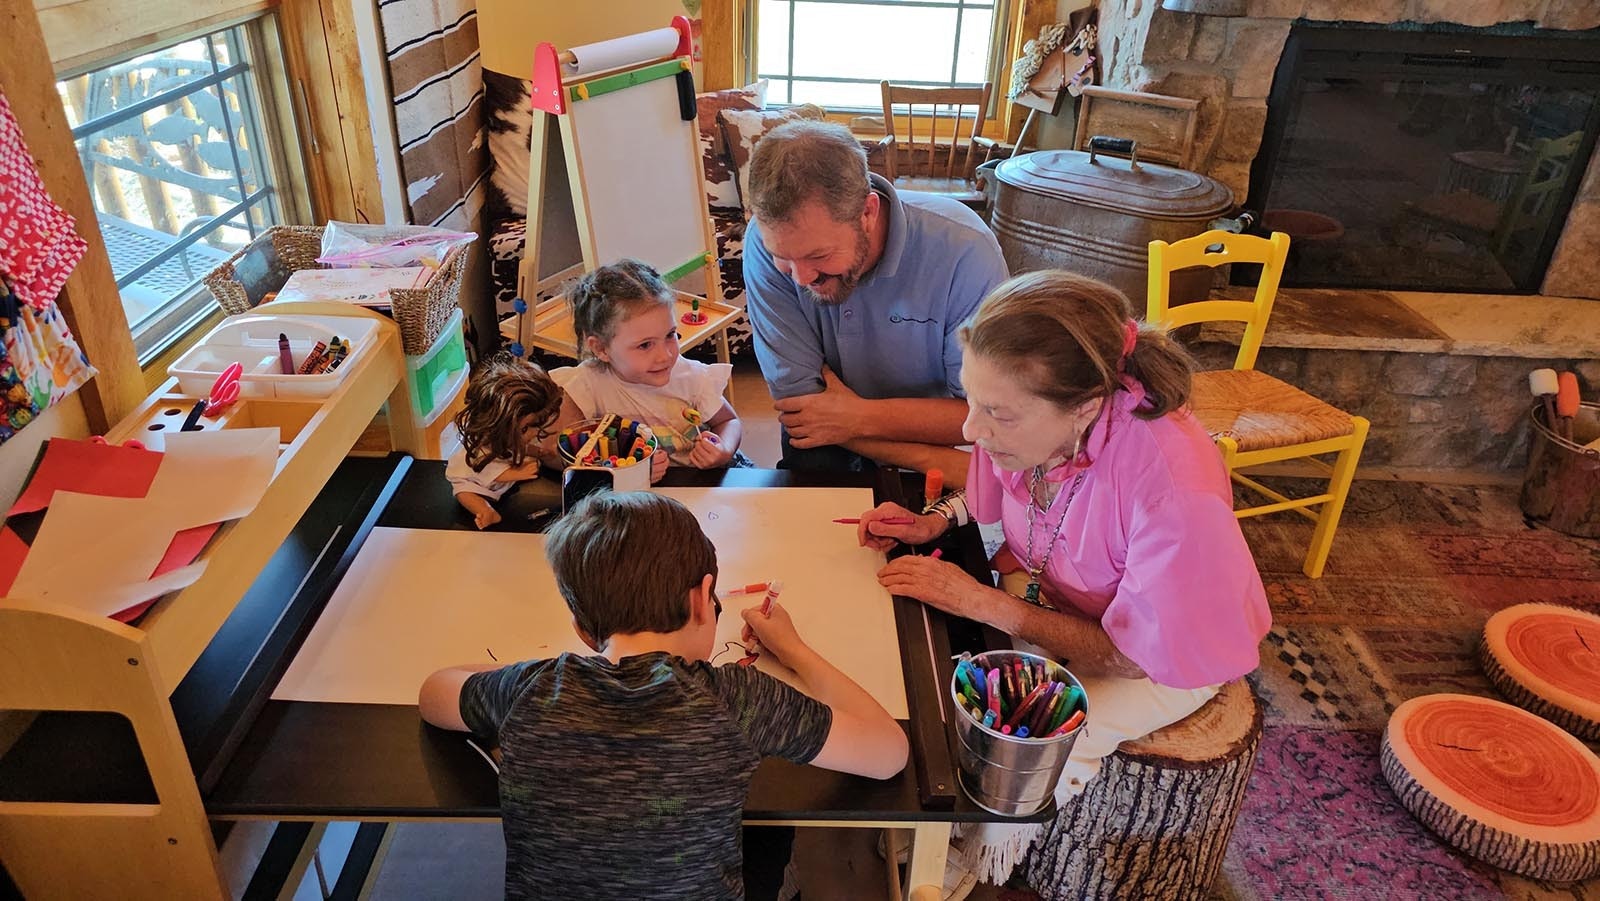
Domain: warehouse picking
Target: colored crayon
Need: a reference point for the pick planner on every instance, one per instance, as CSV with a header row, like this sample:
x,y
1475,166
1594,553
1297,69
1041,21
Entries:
x,y
311,359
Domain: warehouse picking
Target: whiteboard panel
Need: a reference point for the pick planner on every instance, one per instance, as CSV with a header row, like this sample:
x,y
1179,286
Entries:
x,y
641,173
415,601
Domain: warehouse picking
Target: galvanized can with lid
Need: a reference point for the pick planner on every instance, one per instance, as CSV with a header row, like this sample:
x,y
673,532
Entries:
x,y
1096,214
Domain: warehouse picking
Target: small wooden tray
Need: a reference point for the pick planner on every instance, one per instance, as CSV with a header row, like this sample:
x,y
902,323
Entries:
x,y
548,326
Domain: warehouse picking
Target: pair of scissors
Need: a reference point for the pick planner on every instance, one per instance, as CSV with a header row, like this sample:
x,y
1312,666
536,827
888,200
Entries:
x,y
225,391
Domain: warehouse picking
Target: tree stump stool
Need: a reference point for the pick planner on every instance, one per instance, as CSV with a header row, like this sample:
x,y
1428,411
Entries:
x,y
1546,659
1498,783
1154,823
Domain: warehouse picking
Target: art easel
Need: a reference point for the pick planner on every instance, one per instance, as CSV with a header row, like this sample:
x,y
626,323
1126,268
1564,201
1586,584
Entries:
x,y
634,184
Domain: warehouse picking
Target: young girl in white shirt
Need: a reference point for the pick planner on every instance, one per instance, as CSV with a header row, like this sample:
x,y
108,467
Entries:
x,y
627,331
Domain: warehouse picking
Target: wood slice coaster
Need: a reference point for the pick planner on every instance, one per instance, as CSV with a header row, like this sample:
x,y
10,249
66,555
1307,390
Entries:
x,y
1546,658
1155,822
1498,783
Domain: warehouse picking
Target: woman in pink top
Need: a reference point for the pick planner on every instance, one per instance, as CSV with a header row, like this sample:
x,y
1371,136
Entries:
x,y
1117,514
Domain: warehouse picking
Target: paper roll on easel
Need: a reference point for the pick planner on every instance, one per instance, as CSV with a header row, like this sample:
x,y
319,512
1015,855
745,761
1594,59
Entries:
x,y
625,51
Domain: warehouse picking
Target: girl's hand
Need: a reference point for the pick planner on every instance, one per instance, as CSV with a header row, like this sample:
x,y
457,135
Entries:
x,y
872,532
658,466
774,631
708,452
934,582
486,517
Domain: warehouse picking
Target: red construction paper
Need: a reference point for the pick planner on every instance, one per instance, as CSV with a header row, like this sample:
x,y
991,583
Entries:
x,y
87,467
185,547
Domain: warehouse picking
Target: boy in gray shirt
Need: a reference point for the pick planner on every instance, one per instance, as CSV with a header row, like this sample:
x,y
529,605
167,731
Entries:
x,y
624,774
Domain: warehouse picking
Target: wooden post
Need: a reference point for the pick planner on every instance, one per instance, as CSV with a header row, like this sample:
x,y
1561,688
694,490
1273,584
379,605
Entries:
x,y
90,300
1155,822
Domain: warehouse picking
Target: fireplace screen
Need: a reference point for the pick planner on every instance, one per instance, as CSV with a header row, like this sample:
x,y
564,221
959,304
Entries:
x,y
1417,160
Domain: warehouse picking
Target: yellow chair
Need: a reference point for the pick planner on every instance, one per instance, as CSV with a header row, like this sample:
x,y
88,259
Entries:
x,y
1253,417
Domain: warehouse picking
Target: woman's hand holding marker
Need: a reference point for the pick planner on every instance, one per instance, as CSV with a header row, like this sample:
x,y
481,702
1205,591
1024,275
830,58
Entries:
x,y
886,525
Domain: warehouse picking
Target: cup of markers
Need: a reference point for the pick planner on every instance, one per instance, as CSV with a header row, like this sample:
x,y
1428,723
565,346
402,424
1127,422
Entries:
x,y
626,442
1018,717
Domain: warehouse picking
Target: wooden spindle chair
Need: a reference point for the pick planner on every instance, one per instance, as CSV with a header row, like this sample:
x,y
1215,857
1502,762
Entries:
x,y
938,113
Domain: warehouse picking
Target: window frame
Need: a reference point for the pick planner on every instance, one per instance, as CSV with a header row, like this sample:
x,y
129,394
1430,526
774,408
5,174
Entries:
x,y
262,75
996,71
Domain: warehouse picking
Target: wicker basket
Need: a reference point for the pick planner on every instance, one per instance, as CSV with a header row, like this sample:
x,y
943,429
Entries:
x,y
263,265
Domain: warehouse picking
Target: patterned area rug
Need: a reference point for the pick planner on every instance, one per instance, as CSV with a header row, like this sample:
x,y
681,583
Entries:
x,y
1415,571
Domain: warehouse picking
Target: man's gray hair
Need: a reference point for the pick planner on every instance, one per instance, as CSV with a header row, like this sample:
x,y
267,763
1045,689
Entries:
x,y
806,160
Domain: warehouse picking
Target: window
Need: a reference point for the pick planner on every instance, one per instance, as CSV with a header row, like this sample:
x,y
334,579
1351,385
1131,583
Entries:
x,y
834,52
184,158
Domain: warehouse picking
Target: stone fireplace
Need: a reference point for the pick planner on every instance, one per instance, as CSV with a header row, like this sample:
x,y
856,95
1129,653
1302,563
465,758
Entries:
x,y
1229,62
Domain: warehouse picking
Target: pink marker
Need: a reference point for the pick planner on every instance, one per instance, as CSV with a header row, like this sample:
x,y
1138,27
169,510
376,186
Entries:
x,y
888,521
937,553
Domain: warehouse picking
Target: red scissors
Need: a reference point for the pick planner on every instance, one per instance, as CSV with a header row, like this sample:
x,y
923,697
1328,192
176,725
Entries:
x,y
225,391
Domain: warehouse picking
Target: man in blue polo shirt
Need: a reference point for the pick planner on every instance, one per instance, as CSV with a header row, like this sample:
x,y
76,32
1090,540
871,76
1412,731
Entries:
x,y
855,293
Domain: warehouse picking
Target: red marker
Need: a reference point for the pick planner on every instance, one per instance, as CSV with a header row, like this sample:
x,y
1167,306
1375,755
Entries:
x,y
772,595
888,521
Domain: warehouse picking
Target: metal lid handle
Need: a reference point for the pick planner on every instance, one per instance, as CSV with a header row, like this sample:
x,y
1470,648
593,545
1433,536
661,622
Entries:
x,y
1126,146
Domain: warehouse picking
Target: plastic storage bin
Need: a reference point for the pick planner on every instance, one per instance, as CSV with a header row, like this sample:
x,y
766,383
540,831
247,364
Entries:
x,y
251,340
435,378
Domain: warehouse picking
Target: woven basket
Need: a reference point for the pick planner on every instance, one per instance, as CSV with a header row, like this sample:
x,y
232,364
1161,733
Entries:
x,y
263,265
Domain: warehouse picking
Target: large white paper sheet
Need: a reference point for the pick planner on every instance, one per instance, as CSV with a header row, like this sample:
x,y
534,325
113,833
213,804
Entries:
x,y
830,583
419,600
415,601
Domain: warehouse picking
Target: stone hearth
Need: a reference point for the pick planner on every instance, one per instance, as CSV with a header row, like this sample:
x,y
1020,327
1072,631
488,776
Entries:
x,y
1228,64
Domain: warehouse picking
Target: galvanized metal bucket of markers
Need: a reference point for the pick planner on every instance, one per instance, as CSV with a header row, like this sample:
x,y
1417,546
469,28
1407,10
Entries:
x,y
1020,716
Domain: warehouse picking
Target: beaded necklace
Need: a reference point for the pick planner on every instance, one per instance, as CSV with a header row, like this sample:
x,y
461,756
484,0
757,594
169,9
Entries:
x,y
1035,569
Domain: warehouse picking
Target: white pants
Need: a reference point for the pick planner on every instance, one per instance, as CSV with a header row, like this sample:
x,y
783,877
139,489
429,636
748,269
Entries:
x,y
1119,710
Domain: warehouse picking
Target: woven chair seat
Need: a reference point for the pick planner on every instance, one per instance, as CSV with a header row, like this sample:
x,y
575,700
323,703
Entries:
x,y
1260,412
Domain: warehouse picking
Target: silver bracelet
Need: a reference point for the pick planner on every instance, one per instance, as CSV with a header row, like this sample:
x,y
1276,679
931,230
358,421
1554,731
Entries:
x,y
953,508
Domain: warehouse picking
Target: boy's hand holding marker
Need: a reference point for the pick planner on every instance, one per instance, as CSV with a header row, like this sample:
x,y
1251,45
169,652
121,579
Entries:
x,y
767,627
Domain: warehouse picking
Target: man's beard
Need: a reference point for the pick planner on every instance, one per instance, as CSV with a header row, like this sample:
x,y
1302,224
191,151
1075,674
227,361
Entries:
x,y
846,281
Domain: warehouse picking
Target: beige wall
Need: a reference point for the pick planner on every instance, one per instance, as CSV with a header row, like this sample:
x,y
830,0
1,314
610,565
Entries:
x,y
63,420
508,30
